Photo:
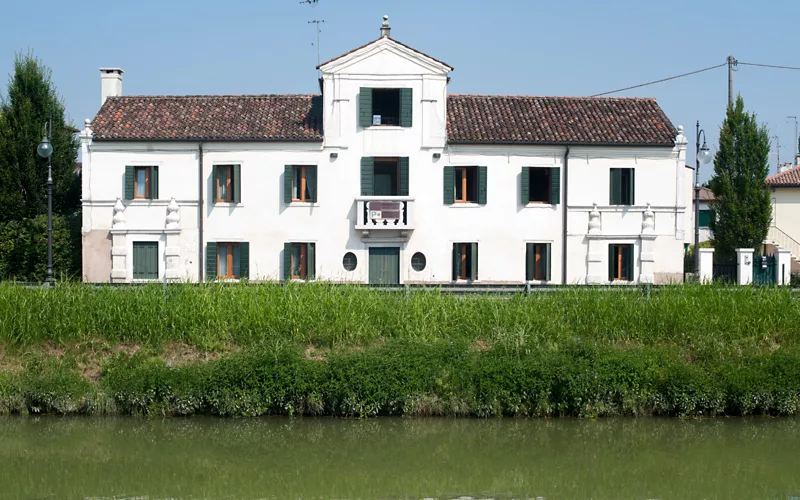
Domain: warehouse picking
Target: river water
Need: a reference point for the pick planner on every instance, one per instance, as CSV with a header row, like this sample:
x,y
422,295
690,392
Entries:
x,y
648,458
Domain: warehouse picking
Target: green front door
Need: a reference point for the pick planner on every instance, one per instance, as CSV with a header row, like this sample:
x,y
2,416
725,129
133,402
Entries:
x,y
384,266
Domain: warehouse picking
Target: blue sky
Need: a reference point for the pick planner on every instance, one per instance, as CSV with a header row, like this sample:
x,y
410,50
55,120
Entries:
x,y
571,47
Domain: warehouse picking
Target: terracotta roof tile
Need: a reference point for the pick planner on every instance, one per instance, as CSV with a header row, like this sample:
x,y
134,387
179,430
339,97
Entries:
x,y
705,194
470,119
250,117
570,120
788,178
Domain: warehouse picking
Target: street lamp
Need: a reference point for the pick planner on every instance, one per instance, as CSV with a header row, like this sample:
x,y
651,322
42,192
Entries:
x,y
45,150
702,154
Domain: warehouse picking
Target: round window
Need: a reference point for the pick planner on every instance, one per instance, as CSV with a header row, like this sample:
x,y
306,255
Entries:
x,y
349,261
418,261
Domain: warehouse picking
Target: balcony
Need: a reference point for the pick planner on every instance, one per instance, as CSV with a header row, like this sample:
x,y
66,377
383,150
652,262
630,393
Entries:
x,y
384,218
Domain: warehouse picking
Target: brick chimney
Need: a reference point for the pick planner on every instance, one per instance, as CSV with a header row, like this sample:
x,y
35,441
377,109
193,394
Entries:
x,y
110,83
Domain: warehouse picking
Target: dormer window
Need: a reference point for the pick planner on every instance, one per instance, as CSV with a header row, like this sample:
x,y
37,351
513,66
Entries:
x,y
385,107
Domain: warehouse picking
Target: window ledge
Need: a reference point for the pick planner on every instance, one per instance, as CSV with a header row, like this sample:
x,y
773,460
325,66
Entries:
x,y
540,205
466,205
385,127
227,204
303,204
146,280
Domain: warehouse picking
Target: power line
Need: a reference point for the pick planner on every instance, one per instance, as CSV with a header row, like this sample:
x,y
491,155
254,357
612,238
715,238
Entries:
x,y
769,66
663,80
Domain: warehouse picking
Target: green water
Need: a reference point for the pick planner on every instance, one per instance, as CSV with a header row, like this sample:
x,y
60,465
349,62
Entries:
x,y
398,458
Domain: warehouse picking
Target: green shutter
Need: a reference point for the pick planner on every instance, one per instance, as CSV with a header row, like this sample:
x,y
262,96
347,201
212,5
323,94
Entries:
x,y
627,262
615,187
449,182
311,261
632,187
555,185
129,175
525,186
237,184
367,175
211,261
244,260
611,262
154,182
473,261
214,185
530,260
403,165
287,261
311,180
547,262
288,179
456,260
406,107
482,173
705,215
365,107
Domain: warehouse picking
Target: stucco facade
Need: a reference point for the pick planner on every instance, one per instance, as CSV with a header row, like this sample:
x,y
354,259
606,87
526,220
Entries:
x,y
185,217
784,231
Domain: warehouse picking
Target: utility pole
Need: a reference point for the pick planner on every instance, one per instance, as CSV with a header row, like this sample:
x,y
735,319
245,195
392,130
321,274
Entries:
x,y
731,65
794,160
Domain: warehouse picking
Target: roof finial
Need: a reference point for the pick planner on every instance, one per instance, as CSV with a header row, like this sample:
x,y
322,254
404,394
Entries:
x,y
385,29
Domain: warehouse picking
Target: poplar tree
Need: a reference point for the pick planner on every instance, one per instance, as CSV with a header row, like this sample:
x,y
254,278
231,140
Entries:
x,y
742,206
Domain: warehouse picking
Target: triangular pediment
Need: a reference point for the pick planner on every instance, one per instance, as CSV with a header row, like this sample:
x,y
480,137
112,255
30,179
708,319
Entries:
x,y
385,56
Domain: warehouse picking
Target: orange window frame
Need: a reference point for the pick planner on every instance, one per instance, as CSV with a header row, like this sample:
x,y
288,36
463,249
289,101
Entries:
x,y
229,260
229,170
303,183
462,275
146,183
537,259
303,267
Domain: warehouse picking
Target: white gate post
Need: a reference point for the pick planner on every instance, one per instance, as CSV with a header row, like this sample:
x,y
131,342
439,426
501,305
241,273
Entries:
x,y
784,263
706,271
744,265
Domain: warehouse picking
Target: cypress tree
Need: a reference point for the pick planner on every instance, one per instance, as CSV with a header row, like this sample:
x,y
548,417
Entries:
x,y
742,205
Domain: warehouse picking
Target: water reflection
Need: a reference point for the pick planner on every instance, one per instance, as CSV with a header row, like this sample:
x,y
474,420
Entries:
x,y
398,458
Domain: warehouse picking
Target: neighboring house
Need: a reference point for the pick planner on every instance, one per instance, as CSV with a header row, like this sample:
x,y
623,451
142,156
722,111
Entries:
x,y
706,196
384,178
784,231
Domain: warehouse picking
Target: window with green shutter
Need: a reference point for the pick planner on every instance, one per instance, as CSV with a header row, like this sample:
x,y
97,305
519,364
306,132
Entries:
x,y
465,261
227,182
621,186
299,261
145,260
232,260
141,183
705,216
381,107
300,183
537,262
541,185
620,262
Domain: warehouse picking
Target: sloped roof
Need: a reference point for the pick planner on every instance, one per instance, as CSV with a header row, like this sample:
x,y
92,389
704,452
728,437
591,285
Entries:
x,y
564,120
471,119
788,178
231,117
705,194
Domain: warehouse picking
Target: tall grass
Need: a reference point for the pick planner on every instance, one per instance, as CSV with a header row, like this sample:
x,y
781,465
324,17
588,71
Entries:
x,y
703,319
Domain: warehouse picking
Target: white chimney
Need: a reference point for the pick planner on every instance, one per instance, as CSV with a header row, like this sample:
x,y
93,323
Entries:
x,y
385,29
110,83
783,167
797,160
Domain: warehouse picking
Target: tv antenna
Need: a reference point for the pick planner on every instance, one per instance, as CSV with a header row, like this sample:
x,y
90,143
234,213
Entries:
x,y
317,22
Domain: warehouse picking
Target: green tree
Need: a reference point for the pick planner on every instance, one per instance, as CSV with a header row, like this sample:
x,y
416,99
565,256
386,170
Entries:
x,y
31,99
742,200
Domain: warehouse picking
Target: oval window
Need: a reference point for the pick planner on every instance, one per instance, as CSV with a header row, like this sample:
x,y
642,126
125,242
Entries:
x,y
418,261
349,261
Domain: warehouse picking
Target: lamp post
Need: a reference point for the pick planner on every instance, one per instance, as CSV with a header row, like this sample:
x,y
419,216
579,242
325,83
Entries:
x,y
702,154
45,150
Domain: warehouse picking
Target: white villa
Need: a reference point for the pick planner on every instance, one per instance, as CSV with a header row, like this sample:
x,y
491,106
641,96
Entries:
x,y
383,178
784,230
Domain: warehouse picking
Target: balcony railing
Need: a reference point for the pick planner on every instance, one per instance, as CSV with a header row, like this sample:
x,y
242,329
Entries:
x,y
383,213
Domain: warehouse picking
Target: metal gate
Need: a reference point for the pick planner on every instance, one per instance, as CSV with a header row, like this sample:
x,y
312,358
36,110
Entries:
x,y
765,270
725,271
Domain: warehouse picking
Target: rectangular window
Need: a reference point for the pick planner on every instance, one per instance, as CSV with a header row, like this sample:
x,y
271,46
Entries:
x,y
228,260
620,262
465,261
303,183
141,184
224,187
386,106
145,260
539,185
299,261
622,186
705,216
385,177
466,185
537,264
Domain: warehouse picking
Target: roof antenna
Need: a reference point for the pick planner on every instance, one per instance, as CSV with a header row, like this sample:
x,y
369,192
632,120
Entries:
x,y
316,23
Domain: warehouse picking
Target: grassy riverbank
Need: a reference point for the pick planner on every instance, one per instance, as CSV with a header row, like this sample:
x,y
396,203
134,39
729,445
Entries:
x,y
340,350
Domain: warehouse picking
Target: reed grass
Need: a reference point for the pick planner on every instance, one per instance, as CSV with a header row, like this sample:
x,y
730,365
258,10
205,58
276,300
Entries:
x,y
706,320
